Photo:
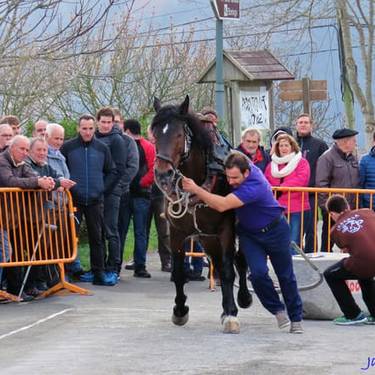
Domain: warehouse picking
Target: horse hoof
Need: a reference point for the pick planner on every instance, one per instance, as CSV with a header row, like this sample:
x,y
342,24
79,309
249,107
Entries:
x,y
231,324
180,320
244,300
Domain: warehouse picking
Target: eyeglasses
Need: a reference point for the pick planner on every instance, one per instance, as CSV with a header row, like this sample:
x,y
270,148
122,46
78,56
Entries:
x,y
7,135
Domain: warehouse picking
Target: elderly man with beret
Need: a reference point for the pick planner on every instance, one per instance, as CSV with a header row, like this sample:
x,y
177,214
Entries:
x,y
338,168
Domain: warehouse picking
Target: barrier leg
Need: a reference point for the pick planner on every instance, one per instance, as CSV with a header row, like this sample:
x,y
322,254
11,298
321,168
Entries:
x,y
62,284
8,297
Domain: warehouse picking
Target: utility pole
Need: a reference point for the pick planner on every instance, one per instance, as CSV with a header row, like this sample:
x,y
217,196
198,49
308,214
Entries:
x,y
223,9
219,87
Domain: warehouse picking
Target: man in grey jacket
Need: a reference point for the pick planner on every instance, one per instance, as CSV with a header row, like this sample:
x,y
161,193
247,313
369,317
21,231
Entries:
x,y
337,168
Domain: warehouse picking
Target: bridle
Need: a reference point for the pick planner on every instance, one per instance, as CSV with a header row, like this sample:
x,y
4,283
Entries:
x,y
178,207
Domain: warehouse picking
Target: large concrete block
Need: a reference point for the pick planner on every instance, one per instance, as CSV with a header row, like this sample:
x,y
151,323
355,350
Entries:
x,y
319,303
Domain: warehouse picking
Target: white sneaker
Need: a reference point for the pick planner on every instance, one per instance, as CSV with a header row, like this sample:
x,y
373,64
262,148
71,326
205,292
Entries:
x,y
282,319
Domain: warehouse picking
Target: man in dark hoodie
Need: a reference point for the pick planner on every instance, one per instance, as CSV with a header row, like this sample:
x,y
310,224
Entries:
x,y
311,148
112,137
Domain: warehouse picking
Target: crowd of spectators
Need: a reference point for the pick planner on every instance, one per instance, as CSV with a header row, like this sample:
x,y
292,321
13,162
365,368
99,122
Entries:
x,y
108,167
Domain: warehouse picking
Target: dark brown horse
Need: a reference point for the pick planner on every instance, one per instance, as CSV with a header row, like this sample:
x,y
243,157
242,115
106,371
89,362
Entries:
x,y
182,146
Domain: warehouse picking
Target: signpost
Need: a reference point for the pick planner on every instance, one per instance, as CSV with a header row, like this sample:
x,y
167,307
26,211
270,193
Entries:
x,y
226,9
229,9
306,90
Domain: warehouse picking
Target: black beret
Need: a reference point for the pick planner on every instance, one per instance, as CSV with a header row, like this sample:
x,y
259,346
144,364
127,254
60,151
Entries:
x,y
343,133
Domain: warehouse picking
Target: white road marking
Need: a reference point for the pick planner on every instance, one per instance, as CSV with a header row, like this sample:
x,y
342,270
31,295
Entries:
x,y
34,324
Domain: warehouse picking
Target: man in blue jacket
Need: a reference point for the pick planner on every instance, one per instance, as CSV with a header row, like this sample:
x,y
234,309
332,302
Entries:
x,y
367,175
91,167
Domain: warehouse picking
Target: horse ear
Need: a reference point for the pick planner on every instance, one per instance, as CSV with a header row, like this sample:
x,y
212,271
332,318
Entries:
x,y
157,104
184,107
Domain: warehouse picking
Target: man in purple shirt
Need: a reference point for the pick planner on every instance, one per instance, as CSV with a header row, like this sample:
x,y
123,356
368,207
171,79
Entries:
x,y
263,232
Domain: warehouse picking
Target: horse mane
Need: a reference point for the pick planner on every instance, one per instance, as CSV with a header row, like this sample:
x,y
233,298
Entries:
x,y
201,136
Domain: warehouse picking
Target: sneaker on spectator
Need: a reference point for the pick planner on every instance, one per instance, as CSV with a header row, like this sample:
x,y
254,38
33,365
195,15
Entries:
x,y
343,321
41,285
195,276
105,279
166,267
130,265
370,320
112,276
25,297
87,277
296,327
282,319
33,292
141,272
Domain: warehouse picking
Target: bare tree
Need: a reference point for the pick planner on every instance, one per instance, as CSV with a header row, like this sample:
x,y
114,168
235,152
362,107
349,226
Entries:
x,y
356,19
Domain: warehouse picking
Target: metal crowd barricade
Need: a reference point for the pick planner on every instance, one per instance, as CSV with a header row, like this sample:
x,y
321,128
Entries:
x,y
37,228
324,193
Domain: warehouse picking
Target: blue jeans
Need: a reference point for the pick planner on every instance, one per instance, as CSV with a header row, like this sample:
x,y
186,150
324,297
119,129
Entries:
x,y
4,250
309,226
196,262
138,209
275,245
295,228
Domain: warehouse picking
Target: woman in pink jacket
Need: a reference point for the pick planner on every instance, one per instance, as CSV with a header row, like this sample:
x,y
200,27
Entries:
x,y
289,168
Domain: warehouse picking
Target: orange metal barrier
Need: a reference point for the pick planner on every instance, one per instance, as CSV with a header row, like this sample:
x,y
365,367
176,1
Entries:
x,y
37,228
323,194
194,254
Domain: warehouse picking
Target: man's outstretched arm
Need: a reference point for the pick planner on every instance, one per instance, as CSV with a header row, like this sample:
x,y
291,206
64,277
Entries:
x,y
217,202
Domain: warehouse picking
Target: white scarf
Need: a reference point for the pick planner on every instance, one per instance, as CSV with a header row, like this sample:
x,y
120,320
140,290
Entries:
x,y
291,160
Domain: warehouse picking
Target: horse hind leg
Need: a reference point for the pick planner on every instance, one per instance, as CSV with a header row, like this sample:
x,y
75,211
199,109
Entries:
x,y
244,297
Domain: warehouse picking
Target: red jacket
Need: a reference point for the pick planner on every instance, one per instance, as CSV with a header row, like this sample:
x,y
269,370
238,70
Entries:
x,y
148,179
298,178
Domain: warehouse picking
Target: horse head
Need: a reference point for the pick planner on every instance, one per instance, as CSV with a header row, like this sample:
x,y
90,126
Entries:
x,y
174,129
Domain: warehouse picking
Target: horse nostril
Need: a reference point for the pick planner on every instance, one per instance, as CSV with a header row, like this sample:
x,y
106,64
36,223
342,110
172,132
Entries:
x,y
170,173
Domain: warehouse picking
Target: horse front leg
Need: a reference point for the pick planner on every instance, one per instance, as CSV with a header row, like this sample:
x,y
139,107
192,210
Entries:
x,y
180,314
230,321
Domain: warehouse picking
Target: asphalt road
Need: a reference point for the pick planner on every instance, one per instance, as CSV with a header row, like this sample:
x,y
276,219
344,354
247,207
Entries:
x,y
127,329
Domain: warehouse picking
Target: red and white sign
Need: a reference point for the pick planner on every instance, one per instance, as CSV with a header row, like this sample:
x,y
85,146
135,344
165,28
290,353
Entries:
x,y
353,285
226,9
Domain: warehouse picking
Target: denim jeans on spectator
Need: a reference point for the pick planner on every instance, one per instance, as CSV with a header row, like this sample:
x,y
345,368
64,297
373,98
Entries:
x,y
195,262
111,213
309,226
138,209
4,250
295,229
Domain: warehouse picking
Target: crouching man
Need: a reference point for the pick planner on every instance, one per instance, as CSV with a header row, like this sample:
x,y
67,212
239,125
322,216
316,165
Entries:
x,y
354,234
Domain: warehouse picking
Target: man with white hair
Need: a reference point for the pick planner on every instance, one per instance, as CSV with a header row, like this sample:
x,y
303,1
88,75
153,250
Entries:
x,y
250,146
55,138
39,128
6,135
55,134
14,172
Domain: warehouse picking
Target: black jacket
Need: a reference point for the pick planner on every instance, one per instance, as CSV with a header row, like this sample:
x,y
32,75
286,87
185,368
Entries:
x,y
312,148
116,145
91,167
